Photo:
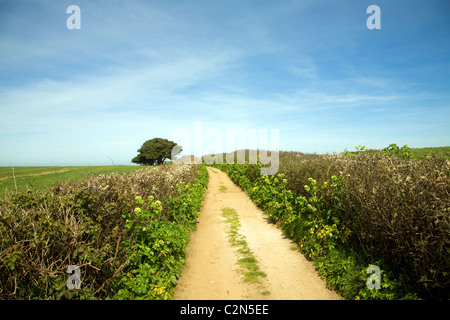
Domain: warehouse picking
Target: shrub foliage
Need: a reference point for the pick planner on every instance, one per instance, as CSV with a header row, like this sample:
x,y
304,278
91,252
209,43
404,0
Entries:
x,y
126,233
347,211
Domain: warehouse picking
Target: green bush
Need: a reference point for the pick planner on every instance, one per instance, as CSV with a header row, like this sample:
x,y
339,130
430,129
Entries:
x,y
394,150
399,211
347,211
125,247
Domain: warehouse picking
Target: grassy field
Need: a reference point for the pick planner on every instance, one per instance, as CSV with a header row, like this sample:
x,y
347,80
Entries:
x,y
41,178
422,152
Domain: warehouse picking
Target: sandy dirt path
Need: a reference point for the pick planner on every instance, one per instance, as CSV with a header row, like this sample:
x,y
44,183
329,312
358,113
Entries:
x,y
212,269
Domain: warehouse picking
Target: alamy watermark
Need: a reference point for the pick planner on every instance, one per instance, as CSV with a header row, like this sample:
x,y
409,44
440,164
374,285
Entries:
x,y
74,20
74,281
374,281
374,21
210,144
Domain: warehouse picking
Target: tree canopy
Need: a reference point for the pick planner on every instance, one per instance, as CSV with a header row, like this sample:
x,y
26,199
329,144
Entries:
x,y
156,150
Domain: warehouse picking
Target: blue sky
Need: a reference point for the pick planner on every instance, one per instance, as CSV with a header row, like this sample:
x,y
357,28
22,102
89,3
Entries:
x,y
137,70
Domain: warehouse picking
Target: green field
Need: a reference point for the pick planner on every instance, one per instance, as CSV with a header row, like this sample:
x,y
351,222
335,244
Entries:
x,y
422,152
41,178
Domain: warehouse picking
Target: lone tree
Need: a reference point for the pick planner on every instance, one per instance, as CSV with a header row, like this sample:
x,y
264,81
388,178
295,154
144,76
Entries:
x,y
156,150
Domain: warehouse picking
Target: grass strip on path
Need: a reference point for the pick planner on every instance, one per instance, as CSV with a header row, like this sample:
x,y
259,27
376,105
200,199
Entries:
x,y
248,262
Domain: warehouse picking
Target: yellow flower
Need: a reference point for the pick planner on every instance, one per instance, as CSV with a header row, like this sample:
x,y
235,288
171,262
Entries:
x,y
139,200
159,290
